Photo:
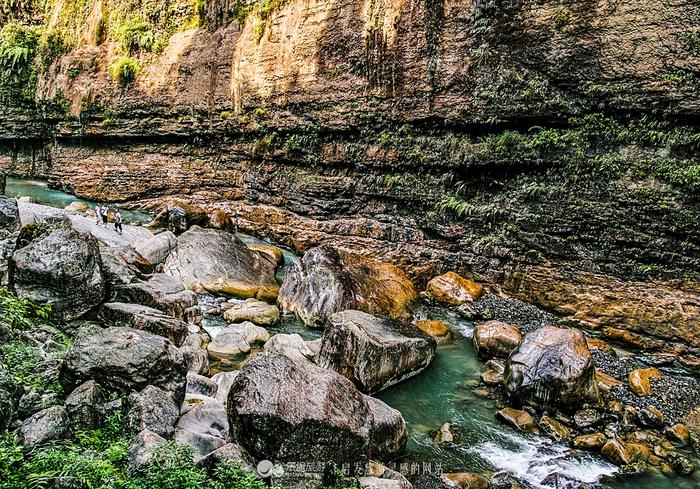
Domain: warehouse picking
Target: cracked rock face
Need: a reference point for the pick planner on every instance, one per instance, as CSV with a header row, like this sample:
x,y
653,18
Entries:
x,y
327,280
373,352
144,318
125,359
63,270
284,409
370,170
552,367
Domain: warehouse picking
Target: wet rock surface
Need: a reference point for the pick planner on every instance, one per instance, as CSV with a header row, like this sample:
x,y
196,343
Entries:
x,y
552,366
327,280
496,339
675,392
388,431
452,289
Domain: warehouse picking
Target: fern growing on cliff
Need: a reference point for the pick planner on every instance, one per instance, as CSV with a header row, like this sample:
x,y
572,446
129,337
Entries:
x,y
18,46
125,70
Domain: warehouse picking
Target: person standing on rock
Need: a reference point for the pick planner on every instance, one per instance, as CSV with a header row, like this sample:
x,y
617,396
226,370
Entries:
x,y
98,214
118,222
105,213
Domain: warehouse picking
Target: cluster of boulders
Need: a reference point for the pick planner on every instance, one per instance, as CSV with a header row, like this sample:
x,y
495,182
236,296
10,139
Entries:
x,y
248,394
550,377
139,347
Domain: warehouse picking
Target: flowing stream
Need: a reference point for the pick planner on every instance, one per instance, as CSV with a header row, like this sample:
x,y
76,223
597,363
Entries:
x,y
40,193
449,391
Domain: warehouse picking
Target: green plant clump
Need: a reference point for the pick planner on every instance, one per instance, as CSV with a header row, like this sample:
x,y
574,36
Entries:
x,y
125,70
18,314
18,48
99,460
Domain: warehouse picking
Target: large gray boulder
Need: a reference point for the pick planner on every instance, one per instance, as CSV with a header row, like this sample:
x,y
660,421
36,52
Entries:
x,y
255,311
125,360
495,339
51,424
63,270
224,381
291,345
85,406
141,450
161,292
122,265
374,352
229,345
145,318
552,367
388,432
196,358
289,411
207,417
7,248
218,262
229,453
201,385
157,248
326,281
201,443
9,216
151,409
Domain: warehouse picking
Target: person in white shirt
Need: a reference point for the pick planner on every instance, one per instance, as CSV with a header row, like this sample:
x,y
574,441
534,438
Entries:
x,y
98,214
118,222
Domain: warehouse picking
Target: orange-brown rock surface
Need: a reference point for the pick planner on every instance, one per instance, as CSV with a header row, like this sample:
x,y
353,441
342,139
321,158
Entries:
x,y
349,123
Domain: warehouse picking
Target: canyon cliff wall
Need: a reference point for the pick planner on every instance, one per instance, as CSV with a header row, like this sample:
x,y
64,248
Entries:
x,y
548,148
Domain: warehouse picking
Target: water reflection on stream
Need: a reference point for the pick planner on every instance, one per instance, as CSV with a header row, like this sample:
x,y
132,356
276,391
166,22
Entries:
x,y
447,391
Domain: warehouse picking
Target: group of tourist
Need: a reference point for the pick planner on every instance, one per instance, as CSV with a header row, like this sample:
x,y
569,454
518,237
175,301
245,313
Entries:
x,y
102,215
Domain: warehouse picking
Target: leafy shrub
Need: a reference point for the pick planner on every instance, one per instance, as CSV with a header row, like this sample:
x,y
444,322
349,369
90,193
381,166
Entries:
x,y
18,47
239,11
200,11
135,34
125,70
171,467
17,313
52,44
561,18
99,460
